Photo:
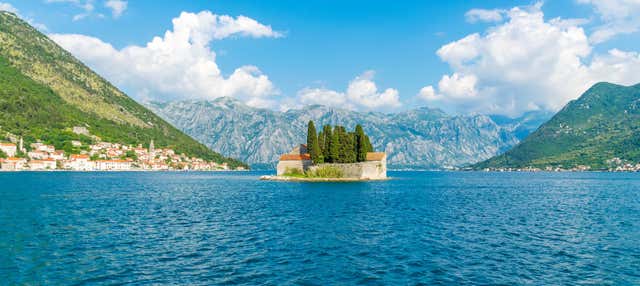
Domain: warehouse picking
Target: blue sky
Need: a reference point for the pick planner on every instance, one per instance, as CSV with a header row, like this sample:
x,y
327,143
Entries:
x,y
333,52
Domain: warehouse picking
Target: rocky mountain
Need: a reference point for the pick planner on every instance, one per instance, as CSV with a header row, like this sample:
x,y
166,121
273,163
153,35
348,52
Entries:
x,y
45,92
599,129
420,138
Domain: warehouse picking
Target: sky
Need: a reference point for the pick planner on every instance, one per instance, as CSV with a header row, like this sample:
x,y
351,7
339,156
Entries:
x,y
465,57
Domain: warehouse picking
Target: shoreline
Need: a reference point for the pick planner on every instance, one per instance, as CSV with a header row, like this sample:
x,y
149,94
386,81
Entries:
x,y
318,180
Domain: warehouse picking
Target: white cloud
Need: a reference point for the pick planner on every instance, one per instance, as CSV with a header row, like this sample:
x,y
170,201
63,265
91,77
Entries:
x,y
483,15
361,94
88,8
458,86
8,7
526,63
86,5
181,64
428,93
117,7
618,17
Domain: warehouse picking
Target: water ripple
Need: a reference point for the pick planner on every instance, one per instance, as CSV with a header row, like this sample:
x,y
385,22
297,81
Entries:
x,y
422,228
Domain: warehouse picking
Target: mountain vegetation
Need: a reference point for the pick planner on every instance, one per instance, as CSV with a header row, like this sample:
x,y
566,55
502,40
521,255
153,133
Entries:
x,y
424,138
45,91
600,128
336,145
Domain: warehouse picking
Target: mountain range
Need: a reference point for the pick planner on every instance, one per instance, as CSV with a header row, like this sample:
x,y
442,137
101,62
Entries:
x,y
598,130
45,92
422,138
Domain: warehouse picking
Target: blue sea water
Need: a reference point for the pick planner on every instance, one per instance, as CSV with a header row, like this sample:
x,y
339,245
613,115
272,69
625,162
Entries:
x,y
430,228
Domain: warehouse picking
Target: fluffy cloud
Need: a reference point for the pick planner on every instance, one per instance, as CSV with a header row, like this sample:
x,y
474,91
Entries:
x,y
8,7
117,7
361,94
428,93
526,63
618,17
181,64
483,15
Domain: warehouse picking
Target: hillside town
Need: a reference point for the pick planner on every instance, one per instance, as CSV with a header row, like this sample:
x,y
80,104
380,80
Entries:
x,y
99,156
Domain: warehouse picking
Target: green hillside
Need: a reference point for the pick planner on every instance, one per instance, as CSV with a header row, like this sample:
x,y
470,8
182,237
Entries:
x,y
604,123
45,91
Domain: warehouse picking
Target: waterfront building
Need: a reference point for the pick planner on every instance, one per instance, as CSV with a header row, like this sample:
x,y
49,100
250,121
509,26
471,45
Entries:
x,y
79,162
298,158
45,164
113,165
9,149
12,164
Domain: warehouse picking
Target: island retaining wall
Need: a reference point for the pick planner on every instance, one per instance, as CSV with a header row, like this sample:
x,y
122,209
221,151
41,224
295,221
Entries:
x,y
371,170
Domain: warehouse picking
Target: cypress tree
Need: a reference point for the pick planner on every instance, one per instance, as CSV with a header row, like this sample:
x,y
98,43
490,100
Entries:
x,y
321,142
361,145
312,144
345,145
353,154
328,137
334,147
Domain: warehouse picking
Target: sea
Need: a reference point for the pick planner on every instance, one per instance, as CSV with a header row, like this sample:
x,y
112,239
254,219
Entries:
x,y
230,228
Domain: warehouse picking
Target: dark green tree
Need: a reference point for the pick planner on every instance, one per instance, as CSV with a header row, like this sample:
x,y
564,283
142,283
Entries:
x,y
334,146
312,144
321,141
351,148
361,145
328,137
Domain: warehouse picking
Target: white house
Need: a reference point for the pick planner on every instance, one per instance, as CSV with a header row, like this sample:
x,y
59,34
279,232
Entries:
x,y
12,164
113,165
46,164
79,162
9,148
57,155
38,155
43,147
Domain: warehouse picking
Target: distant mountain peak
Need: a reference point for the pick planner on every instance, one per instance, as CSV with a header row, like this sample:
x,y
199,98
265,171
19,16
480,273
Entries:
x,y
419,138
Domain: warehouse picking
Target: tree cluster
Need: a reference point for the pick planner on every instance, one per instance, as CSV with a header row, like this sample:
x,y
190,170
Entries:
x,y
337,145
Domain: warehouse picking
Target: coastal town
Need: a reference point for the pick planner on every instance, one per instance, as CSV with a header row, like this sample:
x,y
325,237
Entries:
x,y
98,156
613,165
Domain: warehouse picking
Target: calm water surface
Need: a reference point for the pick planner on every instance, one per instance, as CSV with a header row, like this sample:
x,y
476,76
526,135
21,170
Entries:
x,y
222,228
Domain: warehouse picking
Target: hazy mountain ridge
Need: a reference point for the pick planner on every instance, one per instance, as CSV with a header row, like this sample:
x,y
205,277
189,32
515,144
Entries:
x,y
419,138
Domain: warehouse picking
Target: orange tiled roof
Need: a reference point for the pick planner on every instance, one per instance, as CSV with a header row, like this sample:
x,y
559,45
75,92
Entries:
x,y
8,144
293,157
375,156
79,156
42,161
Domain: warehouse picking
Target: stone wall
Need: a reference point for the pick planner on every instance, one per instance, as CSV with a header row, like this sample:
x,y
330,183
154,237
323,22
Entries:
x,y
372,170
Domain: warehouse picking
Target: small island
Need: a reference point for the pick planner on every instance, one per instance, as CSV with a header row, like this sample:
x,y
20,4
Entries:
x,y
333,155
